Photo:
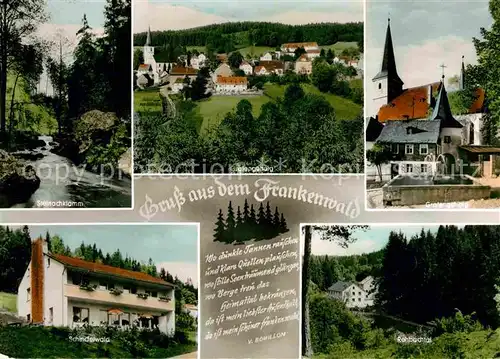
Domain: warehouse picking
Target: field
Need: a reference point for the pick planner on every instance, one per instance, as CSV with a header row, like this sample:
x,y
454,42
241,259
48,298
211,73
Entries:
x,y
8,301
147,101
339,46
215,108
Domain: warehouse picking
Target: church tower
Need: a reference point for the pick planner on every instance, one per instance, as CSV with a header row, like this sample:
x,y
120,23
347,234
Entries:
x,y
388,84
462,76
149,51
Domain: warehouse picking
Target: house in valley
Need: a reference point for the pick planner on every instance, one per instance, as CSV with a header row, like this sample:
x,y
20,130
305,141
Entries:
x,y
181,72
246,68
197,62
223,70
354,295
178,85
291,47
266,57
58,290
312,54
270,67
231,84
303,65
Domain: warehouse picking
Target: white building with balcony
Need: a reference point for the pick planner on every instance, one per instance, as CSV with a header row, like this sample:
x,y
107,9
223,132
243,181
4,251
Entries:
x,y
58,290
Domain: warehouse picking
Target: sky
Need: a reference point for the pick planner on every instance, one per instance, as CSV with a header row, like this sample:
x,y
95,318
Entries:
x,y
367,241
425,35
65,19
176,15
173,247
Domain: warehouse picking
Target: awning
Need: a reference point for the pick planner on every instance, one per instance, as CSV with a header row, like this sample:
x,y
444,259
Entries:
x,y
483,150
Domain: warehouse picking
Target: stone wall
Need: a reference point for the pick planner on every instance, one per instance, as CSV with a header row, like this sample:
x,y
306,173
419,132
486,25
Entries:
x,y
415,195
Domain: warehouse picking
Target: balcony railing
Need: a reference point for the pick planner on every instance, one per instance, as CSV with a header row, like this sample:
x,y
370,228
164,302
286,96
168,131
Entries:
x,y
124,298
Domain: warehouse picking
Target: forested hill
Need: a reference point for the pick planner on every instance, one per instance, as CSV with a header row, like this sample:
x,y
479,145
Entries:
x,y
326,270
256,34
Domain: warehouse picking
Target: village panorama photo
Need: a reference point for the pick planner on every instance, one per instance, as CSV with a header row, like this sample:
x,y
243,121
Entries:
x,y
97,291
432,115
65,104
249,88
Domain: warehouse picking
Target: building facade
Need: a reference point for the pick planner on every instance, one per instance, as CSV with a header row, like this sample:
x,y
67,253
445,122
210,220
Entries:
x,y
57,290
246,68
231,85
303,65
354,295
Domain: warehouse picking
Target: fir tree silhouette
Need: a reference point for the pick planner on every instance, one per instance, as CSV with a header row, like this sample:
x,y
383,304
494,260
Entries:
x,y
239,233
276,223
260,229
268,229
220,228
283,227
230,225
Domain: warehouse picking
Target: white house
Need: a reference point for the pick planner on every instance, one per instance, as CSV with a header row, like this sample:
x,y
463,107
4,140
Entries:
x,y
178,85
312,54
57,290
246,68
354,295
291,47
197,62
192,310
266,57
231,84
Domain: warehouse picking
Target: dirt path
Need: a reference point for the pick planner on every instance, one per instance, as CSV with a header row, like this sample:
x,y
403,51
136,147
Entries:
x,y
192,355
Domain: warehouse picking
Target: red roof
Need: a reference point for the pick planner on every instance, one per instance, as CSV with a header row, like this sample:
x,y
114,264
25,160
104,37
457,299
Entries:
x,y
478,104
412,103
183,71
105,269
303,58
232,80
296,45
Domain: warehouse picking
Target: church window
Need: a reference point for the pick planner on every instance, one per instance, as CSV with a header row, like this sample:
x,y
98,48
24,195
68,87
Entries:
x,y
379,86
447,139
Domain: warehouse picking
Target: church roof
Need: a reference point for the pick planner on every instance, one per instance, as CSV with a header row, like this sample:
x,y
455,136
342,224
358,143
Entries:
x,y
442,111
412,131
148,38
388,68
412,103
373,129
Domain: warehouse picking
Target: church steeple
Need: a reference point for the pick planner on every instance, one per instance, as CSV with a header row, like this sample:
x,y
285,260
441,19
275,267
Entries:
x,y
388,83
389,61
442,110
462,75
148,38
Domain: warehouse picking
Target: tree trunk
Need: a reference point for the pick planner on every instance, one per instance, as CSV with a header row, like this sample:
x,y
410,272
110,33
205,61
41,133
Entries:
x,y
307,350
3,92
11,115
379,169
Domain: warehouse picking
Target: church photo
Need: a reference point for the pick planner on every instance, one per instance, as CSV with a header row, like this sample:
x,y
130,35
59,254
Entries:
x,y
431,122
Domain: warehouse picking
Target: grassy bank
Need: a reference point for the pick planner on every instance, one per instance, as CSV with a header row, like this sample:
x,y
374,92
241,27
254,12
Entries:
x,y
52,342
8,301
479,344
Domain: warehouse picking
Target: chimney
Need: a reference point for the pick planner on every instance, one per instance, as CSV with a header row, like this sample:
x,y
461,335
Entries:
x,y
38,248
